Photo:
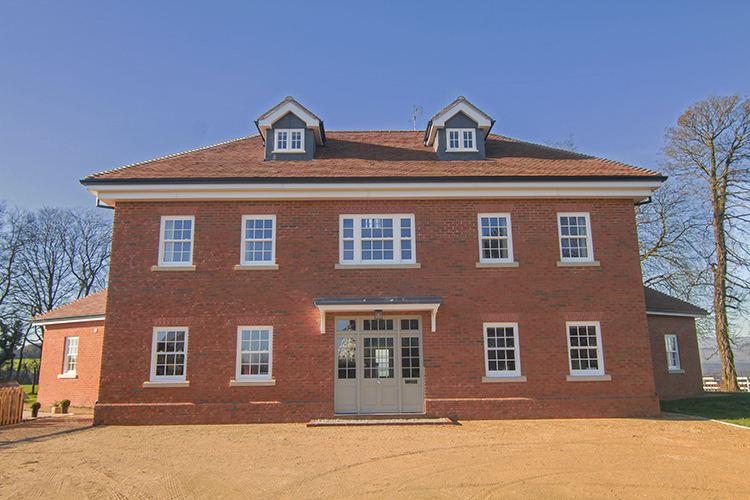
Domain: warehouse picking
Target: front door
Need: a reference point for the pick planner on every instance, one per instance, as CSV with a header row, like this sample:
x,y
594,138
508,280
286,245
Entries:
x,y
378,387
379,365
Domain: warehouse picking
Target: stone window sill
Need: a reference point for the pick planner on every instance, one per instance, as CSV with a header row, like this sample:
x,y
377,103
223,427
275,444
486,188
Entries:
x,y
251,383
173,268
588,378
567,263
156,385
378,266
492,380
676,371
67,375
497,264
265,267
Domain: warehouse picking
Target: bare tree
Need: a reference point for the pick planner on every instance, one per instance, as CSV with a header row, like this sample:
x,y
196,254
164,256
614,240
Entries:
x,y
669,239
708,153
88,249
14,235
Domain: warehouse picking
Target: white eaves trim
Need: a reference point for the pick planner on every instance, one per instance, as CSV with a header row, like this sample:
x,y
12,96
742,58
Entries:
x,y
69,319
683,315
433,308
111,193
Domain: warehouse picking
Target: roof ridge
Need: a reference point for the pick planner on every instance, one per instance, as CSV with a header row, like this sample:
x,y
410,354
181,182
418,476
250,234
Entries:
x,y
169,156
593,157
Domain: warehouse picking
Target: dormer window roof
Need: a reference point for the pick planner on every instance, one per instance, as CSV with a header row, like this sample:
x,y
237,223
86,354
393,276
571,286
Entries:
x,y
267,120
460,105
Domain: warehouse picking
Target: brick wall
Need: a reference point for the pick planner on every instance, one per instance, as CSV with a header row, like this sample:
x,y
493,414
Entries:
x,y
84,388
688,381
214,299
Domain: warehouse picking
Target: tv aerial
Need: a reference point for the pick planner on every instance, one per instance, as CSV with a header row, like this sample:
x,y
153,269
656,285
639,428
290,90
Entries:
x,y
417,110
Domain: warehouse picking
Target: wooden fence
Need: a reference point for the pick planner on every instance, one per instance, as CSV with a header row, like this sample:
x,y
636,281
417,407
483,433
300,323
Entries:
x,y
11,405
711,384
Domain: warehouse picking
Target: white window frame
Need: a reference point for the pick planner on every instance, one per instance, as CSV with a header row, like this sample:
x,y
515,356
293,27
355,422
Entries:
x,y
673,352
154,355
246,240
516,350
70,355
163,241
461,139
289,141
587,236
239,376
508,238
599,371
399,240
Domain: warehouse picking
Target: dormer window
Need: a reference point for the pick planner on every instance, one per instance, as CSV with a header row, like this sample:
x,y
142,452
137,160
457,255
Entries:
x,y
290,132
461,139
459,132
289,141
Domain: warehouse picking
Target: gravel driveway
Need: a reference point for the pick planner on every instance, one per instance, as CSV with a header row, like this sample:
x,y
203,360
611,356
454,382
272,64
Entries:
x,y
597,458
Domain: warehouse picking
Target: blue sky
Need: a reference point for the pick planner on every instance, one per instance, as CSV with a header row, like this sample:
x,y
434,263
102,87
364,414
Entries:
x,y
87,86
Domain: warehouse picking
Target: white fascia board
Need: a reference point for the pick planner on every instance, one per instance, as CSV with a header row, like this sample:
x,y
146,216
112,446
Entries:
x,y
324,309
70,319
310,121
111,193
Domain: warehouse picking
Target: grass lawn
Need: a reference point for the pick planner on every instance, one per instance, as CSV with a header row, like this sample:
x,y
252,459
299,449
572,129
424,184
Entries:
x,y
32,397
725,406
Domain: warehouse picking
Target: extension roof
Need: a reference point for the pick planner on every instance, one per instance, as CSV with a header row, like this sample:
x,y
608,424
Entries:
x,y
396,156
89,308
661,303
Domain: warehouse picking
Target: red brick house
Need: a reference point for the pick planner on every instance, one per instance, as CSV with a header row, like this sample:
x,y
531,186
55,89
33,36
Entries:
x,y
72,351
674,345
299,273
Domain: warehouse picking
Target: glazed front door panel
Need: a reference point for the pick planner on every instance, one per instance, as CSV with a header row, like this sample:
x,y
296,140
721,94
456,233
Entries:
x,y
379,381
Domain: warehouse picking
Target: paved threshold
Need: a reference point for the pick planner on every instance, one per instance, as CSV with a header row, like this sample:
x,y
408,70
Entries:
x,y
332,422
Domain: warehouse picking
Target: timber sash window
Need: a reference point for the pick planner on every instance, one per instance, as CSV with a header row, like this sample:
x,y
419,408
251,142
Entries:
x,y
501,350
585,349
70,360
575,237
377,239
258,240
495,244
673,352
254,352
169,354
176,241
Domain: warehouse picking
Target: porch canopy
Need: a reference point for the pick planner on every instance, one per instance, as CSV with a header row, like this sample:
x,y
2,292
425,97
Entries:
x,y
352,304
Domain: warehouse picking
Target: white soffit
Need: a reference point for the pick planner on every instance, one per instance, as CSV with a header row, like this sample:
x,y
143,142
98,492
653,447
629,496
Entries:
x,y
112,193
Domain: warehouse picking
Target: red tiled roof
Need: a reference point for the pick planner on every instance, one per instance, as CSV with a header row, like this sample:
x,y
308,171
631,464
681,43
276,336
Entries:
x,y
370,155
90,305
658,302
